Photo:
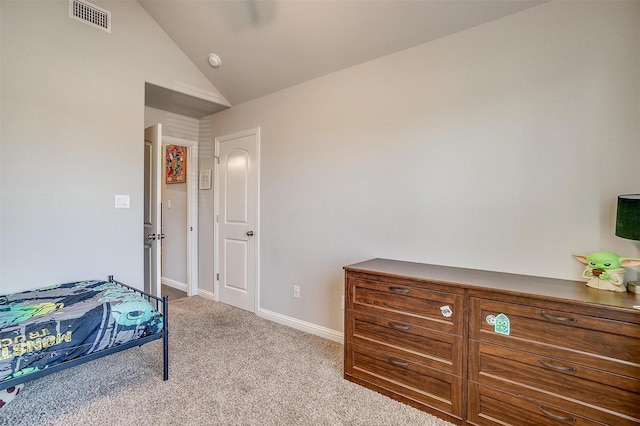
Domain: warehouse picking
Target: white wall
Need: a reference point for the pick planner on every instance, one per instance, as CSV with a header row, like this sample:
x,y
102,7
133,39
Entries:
x,y
502,148
72,122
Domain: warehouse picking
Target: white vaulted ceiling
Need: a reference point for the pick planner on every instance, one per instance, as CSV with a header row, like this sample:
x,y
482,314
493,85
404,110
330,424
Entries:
x,y
269,45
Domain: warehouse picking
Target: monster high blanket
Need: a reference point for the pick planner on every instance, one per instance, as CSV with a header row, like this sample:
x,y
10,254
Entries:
x,y
44,327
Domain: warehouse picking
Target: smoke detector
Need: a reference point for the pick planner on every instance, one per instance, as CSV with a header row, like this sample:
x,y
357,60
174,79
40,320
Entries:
x,y
214,60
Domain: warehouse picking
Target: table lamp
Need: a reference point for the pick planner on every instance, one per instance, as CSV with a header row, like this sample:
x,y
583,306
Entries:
x,y
628,225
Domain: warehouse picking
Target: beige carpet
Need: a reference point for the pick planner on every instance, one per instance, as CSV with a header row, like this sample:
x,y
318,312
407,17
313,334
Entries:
x,y
228,367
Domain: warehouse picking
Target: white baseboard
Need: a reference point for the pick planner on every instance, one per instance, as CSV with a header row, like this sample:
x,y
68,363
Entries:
x,y
206,294
308,327
173,283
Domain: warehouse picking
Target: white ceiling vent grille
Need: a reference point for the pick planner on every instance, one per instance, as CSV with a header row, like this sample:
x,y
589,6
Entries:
x,y
90,14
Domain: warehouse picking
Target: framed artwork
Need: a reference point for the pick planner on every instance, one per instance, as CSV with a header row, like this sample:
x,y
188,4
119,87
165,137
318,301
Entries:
x,y
205,179
176,161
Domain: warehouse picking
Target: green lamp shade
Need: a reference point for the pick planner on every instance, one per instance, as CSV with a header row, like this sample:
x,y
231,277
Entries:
x,y
628,218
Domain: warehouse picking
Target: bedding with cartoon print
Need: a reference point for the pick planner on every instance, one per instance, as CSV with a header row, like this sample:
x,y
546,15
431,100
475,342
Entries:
x,y
44,327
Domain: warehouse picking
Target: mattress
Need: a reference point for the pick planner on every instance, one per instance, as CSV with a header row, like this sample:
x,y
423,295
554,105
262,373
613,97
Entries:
x,y
48,326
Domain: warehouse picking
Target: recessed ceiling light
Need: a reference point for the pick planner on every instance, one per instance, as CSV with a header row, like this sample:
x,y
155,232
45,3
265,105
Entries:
x,y
215,60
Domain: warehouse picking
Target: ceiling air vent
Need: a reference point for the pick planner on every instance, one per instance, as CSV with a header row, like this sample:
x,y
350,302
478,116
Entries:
x,y
90,14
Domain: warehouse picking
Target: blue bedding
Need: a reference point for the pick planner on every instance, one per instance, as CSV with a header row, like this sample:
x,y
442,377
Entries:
x,y
45,327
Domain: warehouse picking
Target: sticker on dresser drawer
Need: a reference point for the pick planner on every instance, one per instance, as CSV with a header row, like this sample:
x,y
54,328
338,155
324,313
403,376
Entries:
x,y
427,307
592,341
502,325
491,319
446,311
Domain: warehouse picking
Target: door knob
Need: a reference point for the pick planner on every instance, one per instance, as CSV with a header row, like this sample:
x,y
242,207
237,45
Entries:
x,y
151,237
250,233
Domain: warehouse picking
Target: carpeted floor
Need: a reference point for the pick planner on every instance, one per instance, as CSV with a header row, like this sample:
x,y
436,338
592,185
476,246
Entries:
x,y
228,367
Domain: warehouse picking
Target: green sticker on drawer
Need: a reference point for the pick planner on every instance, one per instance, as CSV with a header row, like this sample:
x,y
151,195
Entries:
x,y
503,325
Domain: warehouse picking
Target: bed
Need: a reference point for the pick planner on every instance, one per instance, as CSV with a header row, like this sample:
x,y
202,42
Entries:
x,y
50,329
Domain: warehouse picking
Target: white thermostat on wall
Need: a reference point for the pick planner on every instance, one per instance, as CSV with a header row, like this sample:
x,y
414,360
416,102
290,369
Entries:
x,y
122,201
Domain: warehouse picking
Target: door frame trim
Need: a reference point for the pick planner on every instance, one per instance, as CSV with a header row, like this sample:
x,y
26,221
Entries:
x,y
192,208
155,162
216,209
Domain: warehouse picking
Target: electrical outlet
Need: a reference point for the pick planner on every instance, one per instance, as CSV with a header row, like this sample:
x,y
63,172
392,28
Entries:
x,y
296,291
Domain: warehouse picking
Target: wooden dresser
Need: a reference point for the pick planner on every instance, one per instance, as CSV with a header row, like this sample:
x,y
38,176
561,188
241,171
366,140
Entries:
x,y
487,348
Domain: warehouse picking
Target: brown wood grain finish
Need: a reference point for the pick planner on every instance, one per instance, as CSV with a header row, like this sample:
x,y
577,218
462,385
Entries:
x,y
559,356
423,305
572,355
491,407
399,340
423,384
459,280
443,414
522,371
597,336
421,345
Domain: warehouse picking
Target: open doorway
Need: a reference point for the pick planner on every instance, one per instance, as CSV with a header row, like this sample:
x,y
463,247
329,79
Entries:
x,y
182,111
157,235
179,219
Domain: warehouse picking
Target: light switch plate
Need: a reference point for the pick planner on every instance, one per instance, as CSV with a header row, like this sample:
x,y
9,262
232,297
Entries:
x,y
122,201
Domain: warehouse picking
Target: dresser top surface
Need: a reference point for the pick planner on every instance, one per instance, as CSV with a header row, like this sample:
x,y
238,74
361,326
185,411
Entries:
x,y
488,280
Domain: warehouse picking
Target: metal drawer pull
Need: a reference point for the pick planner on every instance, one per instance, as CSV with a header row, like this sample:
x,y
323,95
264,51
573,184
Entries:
x,y
399,290
555,367
555,416
551,317
399,327
398,363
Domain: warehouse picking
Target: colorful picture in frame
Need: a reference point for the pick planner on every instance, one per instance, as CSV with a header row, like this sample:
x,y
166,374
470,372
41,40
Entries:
x,y
176,160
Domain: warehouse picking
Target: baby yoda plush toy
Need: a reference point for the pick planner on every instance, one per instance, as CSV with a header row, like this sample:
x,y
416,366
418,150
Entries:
x,y
605,270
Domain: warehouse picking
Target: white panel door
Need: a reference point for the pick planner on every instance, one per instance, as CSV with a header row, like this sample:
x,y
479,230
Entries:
x,y
237,193
151,241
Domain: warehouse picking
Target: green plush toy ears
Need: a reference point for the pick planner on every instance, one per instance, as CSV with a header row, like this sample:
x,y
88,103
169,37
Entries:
x,y
628,261
584,258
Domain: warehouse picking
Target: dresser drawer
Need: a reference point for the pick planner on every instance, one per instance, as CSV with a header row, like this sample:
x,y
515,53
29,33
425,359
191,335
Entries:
x,y
585,340
491,407
401,337
402,376
502,367
428,308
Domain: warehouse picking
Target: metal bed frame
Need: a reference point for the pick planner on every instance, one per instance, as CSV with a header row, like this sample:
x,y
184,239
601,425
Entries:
x,y
159,303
